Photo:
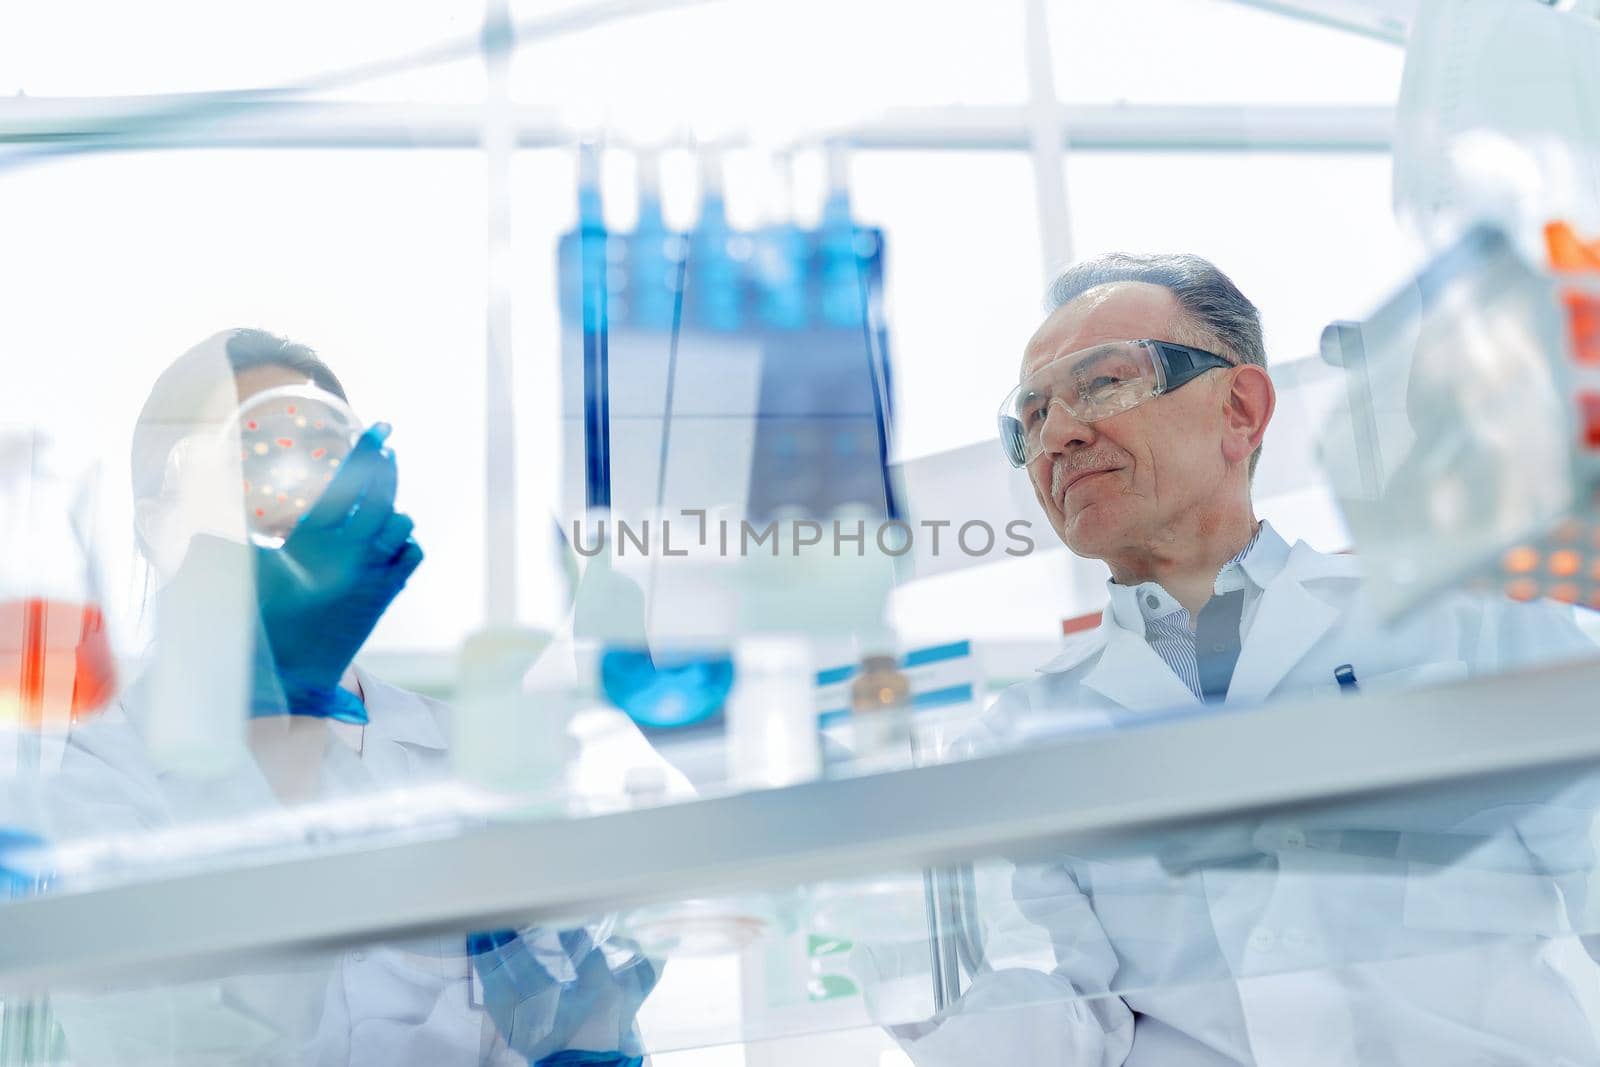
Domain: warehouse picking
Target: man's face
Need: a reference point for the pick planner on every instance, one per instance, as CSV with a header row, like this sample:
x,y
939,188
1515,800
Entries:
x,y
1116,485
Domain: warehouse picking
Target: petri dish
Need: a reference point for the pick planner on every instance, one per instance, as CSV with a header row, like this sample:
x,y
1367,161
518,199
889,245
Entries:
x,y
292,441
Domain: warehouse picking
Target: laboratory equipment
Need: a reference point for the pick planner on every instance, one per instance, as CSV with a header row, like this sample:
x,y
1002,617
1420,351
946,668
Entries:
x,y
700,927
1494,121
622,298
661,684
511,718
1096,384
880,705
56,668
208,665
826,400
1493,128
1466,454
664,689
943,695
292,441
18,868
741,370
772,715
56,664
723,367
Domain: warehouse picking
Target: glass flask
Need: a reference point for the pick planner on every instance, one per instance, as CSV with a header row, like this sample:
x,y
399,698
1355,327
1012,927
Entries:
x,y
56,665
666,689
659,684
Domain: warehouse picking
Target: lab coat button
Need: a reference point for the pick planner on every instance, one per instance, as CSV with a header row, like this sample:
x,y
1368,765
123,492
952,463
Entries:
x,y
1152,602
1294,839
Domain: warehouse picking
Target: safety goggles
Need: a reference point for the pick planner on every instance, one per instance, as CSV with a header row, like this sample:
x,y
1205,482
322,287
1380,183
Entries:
x,y
1096,383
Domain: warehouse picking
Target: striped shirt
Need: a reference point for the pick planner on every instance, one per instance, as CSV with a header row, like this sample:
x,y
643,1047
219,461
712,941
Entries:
x,y
1167,625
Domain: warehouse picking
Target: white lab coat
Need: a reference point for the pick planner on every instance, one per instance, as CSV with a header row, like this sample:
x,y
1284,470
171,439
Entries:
x,y
382,1005
1295,942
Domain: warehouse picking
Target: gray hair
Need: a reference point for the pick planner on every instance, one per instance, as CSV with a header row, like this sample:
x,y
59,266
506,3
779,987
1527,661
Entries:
x,y
1220,317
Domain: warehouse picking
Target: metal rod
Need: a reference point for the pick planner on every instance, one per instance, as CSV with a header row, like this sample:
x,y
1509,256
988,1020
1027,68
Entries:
x,y
103,124
499,417
930,893
1388,28
1047,141
949,926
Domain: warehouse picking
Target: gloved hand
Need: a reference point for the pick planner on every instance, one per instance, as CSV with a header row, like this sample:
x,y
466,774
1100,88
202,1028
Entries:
x,y
322,593
560,991
18,879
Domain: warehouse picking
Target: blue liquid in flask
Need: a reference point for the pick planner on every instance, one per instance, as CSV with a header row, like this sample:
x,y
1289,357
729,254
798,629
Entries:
x,y
665,691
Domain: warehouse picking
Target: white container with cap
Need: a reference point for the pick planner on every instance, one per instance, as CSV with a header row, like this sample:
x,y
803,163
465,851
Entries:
x,y
772,714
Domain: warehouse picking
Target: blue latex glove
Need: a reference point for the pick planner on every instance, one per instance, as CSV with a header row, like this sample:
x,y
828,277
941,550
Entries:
x,y
17,881
322,593
576,1058
538,1013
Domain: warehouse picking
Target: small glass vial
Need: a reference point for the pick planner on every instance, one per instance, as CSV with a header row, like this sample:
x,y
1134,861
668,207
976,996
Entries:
x,y
880,708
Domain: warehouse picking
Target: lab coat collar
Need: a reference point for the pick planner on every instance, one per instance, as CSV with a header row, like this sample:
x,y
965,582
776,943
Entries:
x,y
1260,562
1288,622
1132,674
395,714
1079,647
1266,558
1129,672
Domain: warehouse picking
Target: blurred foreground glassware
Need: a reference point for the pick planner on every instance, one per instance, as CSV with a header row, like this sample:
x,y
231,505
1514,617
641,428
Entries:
x,y
1469,454
516,696
665,689
56,665
880,706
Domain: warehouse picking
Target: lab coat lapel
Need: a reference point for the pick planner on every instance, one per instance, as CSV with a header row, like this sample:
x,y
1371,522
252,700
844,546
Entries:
x,y
1131,674
1289,621
399,725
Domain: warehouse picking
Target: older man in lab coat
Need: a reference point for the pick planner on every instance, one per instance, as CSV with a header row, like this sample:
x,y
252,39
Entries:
x,y
1302,947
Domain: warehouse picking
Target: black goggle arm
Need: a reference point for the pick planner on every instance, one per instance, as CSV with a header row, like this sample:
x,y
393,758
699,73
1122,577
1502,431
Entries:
x,y
1184,364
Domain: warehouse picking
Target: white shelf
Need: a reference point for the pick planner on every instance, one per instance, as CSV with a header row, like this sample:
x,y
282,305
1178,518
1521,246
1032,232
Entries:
x,y
1092,791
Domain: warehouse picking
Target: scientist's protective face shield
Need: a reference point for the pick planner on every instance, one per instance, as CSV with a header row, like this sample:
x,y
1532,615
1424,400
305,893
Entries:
x,y
1093,384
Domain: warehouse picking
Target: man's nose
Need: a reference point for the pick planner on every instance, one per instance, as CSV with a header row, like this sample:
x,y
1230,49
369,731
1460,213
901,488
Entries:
x,y
1063,429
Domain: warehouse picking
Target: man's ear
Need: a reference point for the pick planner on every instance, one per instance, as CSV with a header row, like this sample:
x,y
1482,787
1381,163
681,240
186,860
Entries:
x,y
1247,407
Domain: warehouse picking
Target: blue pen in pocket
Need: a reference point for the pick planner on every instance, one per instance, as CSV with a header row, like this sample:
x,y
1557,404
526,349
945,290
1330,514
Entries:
x,y
1345,675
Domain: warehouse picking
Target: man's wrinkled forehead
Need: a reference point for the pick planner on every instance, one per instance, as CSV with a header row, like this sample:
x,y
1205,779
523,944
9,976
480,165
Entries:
x,y
1117,311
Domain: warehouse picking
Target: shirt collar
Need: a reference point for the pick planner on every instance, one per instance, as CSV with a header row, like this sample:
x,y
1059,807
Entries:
x,y
1257,564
